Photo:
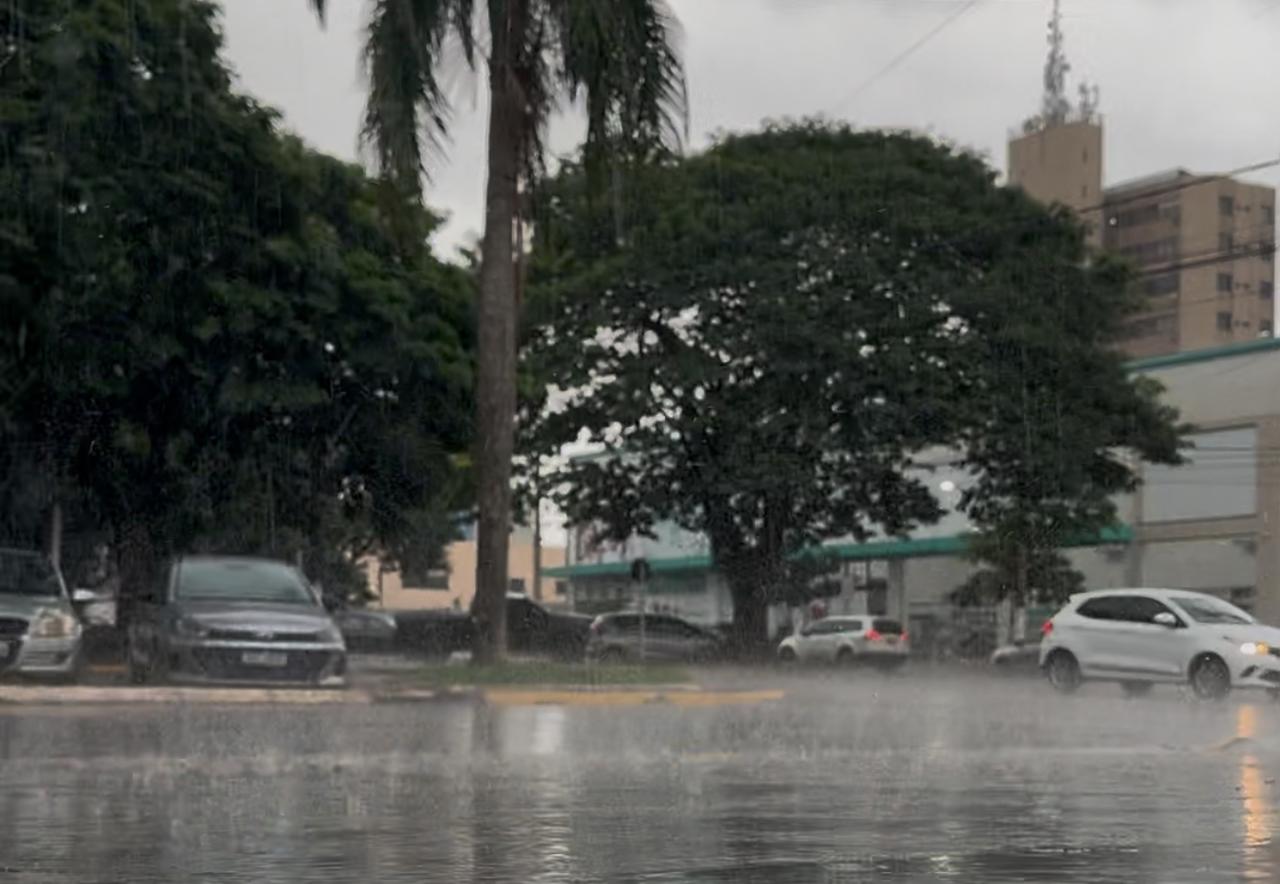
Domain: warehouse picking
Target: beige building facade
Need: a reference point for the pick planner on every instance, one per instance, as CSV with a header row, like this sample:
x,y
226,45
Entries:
x,y
456,588
1203,245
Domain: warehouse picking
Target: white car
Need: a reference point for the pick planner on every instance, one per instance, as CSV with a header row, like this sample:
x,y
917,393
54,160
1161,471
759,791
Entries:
x,y
848,640
1142,637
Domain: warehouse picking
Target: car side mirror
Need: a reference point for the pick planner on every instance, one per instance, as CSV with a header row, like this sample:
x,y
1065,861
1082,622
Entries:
x,y
1164,618
83,596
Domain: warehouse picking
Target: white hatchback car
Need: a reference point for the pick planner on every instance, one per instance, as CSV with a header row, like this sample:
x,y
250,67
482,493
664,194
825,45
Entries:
x,y
848,640
1142,637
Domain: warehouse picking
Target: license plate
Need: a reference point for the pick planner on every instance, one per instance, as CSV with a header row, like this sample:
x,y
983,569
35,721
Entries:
x,y
264,658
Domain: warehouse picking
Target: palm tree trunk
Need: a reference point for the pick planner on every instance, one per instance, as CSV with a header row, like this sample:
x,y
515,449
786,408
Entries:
x,y
496,375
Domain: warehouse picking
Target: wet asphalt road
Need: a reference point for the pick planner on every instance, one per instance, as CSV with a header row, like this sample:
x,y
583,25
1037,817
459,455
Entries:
x,y
851,778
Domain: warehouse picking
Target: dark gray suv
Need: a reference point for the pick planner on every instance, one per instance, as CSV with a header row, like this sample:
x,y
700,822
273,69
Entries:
x,y
619,638
234,619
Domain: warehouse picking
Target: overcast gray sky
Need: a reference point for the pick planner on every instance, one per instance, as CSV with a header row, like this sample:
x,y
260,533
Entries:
x,y
1184,82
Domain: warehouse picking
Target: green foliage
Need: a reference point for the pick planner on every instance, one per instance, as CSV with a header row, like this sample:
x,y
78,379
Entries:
x,y
215,336
619,56
786,320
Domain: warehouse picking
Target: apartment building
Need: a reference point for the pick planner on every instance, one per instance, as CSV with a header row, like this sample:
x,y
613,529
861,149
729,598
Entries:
x,y
1203,245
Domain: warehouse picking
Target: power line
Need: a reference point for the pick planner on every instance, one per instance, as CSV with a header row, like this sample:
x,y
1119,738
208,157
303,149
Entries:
x,y
1183,184
902,56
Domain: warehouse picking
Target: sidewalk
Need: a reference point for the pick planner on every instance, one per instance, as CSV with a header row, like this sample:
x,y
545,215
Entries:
x,y
389,679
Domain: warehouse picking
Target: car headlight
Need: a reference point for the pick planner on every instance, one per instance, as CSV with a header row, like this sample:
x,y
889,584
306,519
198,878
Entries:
x,y
54,624
1252,648
188,628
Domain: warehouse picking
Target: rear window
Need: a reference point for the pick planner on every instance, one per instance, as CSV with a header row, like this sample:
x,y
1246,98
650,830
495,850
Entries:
x,y
887,627
238,580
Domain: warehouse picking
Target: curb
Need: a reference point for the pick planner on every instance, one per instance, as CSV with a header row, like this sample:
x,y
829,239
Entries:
x,y
16,696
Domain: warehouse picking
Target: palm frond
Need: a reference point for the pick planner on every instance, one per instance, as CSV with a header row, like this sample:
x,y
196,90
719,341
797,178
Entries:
x,y
623,56
407,111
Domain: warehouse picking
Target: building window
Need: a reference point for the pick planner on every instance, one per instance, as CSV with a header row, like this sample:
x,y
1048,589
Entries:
x,y
1226,242
1225,282
1224,320
562,587
1163,284
1267,288
1226,205
1265,328
516,585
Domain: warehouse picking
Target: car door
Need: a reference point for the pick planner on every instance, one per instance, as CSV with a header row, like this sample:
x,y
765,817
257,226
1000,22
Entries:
x,y
1098,632
809,641
671,641
1154,648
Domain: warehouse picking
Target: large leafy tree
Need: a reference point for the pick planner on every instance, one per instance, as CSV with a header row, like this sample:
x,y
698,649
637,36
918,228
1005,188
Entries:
x,y
212,335
788,321
1062,420
619,56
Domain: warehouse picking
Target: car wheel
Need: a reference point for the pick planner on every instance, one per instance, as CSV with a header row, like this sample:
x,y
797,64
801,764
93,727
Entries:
x,y
787,655
1136,688
845,657
139,673
1063,672
613,656
1210,678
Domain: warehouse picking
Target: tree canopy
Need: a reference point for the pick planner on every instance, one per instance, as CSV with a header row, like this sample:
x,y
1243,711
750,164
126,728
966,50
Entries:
x,y
788,320
212,335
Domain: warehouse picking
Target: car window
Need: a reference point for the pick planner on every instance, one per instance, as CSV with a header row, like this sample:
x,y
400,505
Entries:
x,y
624,623
1206,609
28,574
1107,607
1142,609
887,627
667,627
241,580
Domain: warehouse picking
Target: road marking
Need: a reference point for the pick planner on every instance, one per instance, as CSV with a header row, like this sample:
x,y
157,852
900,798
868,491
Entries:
x,y
684,697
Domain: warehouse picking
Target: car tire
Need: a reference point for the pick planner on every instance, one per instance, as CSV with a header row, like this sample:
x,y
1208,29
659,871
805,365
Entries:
x,y
1136,688
1062,671
613,656
787,656
139,674
845,657
1210,678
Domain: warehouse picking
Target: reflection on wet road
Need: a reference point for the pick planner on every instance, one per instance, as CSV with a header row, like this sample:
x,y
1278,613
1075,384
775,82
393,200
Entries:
x,y
901,779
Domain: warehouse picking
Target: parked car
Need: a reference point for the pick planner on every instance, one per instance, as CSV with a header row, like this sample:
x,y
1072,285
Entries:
x,y
617,638
232,619
436,632
1019,656
1143,637
40,634
533,629
848,640
367,631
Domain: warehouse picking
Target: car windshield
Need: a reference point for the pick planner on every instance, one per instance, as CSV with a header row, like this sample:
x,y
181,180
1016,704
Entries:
x,y
1205,609
241,581
28,574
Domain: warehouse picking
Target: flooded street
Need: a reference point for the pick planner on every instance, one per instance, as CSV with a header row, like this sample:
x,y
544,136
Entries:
x,y
897,779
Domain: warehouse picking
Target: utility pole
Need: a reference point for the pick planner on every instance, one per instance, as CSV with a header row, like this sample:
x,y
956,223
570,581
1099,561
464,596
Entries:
x,y
640,574
537,530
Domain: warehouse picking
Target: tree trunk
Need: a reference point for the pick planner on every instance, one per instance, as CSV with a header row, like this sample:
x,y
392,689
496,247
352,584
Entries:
x,y
496,371
750,617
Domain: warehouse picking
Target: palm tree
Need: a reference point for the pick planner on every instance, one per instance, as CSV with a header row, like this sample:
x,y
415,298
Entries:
x,y
620,57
